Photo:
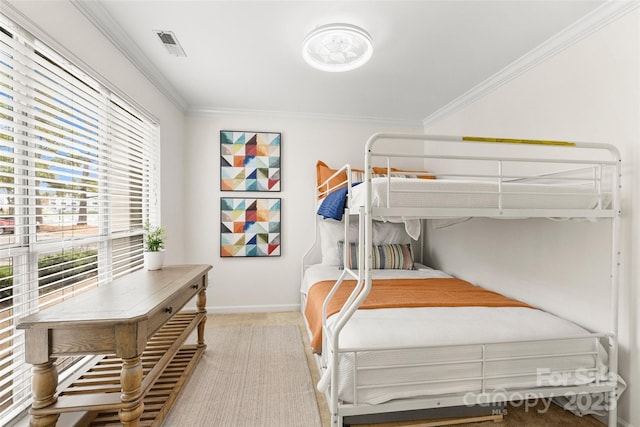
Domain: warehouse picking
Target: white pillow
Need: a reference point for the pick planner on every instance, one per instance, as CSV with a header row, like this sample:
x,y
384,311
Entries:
x,y
385,233
332,231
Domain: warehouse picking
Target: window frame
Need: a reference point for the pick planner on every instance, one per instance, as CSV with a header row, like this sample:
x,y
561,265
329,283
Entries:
x,y
118,238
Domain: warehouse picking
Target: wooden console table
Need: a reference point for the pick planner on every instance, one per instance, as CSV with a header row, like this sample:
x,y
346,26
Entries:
x,y
117,321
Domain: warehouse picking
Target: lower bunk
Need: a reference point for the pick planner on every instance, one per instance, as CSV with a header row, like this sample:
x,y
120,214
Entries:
x,y
475,355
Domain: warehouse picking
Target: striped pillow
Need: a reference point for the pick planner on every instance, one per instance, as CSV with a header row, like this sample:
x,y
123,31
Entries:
x,y
390,256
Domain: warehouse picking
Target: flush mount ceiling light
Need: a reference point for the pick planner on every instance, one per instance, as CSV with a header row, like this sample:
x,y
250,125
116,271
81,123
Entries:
x,y
337,47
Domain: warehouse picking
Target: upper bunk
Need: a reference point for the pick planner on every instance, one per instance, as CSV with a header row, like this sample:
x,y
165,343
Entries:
x,y
467,176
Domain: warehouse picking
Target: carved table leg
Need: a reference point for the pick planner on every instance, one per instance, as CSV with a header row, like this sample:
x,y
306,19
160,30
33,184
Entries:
x,y
201,303
44,384
131,382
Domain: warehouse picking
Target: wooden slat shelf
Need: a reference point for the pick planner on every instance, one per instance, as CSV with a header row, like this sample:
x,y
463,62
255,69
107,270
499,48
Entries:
x,y
101,381
160,398
104,377
136,334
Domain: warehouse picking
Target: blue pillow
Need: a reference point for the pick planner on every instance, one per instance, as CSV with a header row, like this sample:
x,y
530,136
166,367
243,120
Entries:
x,y
332,206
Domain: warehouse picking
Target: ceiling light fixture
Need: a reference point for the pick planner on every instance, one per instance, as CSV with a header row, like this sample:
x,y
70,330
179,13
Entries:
x,y
337,47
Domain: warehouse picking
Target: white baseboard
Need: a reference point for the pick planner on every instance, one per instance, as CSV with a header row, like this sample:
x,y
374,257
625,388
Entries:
x,y
253,308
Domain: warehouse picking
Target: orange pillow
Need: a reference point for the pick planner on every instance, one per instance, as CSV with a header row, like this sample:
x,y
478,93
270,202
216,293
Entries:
x,y
323,172
403,173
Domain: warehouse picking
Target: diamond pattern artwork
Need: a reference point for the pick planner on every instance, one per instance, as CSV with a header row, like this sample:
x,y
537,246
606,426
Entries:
x,y
249,161
249,227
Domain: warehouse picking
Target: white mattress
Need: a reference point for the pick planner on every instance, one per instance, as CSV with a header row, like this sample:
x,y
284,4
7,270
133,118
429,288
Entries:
x,y
450,193
446,334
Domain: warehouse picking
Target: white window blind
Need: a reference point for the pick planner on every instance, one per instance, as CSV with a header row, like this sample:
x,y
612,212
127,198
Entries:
x,y
79,177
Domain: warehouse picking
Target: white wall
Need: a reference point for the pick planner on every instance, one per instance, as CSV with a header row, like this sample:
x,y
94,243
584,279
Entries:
x,y
61,22
589,92
263,283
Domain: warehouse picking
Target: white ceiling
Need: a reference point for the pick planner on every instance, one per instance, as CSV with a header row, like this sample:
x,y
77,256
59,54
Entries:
x,y
245,56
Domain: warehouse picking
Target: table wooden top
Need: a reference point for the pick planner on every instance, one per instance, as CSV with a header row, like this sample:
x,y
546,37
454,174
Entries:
x,y
126,299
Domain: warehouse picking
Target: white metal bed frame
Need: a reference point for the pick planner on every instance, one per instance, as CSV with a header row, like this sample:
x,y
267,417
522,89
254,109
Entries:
x,y
609,190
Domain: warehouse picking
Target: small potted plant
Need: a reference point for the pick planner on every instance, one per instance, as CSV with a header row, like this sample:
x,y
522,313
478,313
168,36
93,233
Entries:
x,y
154,238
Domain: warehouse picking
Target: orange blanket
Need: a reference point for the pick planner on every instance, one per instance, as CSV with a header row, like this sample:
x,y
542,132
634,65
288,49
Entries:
x,y
388,293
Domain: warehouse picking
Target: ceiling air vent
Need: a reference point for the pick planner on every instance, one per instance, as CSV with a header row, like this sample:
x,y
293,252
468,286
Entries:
x,y
170,42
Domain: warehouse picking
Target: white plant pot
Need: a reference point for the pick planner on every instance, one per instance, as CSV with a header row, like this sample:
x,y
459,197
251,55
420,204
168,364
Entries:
x,y
153,260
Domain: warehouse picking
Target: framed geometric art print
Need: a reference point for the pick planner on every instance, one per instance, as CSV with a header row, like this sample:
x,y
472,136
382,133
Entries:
x,y
249,161
250,227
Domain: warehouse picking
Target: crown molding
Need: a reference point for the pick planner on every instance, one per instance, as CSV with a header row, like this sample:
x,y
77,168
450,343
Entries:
x,y
218,112
95,12
102,19
589,24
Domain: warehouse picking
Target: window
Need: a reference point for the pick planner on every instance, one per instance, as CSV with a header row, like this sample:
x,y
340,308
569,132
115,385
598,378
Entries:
x,y
79,176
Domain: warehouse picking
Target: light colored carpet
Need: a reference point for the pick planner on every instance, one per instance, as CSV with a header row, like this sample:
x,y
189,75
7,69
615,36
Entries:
x,y
517,415
249,376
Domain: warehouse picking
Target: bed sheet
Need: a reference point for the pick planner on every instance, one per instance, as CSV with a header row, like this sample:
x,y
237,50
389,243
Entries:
x,y
446,334
459,334
469,194
452,193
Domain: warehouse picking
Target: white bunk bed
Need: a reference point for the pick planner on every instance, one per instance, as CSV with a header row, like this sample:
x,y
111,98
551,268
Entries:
x,y
372,361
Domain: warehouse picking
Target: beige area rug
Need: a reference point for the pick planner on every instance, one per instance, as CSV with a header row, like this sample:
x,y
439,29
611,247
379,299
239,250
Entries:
x,y
249,376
